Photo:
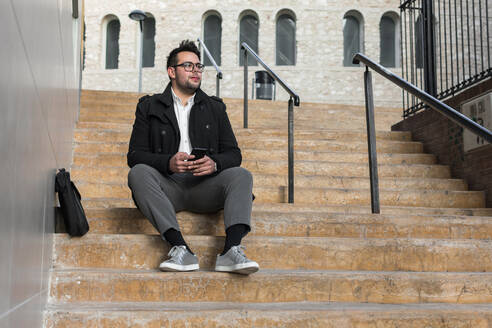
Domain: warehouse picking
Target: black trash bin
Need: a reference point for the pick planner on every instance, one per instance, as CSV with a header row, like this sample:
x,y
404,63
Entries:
x,y
264,85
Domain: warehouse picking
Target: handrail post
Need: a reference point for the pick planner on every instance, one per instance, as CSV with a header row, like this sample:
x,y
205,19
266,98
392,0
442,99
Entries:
x,y
245,113
371,142
294,100
291,150
217,86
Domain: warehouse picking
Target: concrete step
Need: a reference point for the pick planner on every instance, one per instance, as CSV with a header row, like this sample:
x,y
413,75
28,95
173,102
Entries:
x,y
271,315
265,132
86,147
338,156
94,97
298,223
348,169
418,198
104,126
119,159
285,253
120,134
383,146
103,94
255,109
318,181
308,195
120,97
264,120
324,181
109,203
260,115
120,174
270,286
392,210
234,106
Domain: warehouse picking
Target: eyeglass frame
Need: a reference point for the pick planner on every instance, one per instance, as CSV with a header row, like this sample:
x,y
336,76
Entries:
x,y
199,66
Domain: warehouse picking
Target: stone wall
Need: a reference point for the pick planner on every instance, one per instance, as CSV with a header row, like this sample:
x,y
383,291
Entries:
x,y
318,76
444,138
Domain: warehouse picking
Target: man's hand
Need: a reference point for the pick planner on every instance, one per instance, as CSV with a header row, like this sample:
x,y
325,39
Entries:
x,y
202,166
178,164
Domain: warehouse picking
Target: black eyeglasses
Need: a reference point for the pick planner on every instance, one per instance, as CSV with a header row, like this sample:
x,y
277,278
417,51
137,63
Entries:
x,y
190,67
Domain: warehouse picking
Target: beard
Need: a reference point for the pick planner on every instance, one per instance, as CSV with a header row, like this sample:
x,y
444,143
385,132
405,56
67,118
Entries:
x,y
192,87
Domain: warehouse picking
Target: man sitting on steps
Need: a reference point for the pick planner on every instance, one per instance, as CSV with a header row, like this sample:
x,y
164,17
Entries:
x,y
165,178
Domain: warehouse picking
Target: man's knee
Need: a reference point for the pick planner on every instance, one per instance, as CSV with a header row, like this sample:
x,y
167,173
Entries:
x,y
240,175
139,174
244,175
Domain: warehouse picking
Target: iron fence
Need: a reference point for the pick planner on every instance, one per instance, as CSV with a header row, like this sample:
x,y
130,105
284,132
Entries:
x,y
445,46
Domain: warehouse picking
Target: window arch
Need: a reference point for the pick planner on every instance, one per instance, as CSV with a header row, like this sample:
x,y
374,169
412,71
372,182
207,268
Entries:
x,y
248,32
389,36
353,36
112,46
148,55
285,39
212,37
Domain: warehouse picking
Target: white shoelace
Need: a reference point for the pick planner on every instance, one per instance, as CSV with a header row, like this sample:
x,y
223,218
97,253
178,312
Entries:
x,y
238,254
176,253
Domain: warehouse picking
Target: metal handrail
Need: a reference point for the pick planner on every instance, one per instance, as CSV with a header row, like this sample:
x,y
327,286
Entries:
x,y
294,100
433,102
212,60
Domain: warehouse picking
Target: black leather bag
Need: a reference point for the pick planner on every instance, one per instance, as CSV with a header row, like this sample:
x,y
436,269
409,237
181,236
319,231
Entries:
x,y
72,211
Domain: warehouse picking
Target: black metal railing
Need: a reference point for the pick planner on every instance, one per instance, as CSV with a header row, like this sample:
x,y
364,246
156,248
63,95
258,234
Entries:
x,y
426,98
219,72
293,100
445,46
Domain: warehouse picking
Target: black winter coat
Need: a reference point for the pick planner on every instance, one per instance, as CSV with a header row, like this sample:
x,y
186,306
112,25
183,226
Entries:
x,y
155,136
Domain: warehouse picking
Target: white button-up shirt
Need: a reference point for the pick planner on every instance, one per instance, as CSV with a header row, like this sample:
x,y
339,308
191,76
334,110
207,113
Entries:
x,y
183,117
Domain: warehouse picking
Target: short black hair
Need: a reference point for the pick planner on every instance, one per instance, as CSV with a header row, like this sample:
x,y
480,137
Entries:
x,y
185,45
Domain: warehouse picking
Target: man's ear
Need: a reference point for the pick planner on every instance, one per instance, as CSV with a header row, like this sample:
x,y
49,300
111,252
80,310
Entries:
x,y
171,72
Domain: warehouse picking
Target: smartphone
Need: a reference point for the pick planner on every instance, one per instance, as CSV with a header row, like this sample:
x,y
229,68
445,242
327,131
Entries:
x,y
199,152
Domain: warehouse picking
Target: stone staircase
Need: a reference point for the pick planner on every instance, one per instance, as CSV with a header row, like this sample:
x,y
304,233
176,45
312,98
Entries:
x,y
325,261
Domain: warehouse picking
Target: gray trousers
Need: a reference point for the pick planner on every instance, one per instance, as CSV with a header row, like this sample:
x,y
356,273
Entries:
x,y
159,197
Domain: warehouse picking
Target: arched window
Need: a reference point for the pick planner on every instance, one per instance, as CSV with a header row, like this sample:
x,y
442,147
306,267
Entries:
x,y
148,55
248,32
286,40
112,43
212,37
353,36
389,40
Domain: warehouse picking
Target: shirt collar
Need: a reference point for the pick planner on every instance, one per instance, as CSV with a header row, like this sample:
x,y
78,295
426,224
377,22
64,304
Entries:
x,y
191,101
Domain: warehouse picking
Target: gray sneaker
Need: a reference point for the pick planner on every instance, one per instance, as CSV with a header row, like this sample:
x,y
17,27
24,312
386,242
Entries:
x,y
236,261
181,260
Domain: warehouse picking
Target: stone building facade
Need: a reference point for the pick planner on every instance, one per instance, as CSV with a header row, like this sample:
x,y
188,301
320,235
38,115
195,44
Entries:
x,y
318,75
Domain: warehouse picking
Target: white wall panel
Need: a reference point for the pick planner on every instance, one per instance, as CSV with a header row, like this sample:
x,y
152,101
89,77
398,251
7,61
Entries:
x,y
38,104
